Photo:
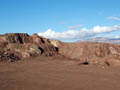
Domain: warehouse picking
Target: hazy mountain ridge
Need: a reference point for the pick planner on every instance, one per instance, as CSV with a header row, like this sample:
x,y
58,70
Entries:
x,y
102,39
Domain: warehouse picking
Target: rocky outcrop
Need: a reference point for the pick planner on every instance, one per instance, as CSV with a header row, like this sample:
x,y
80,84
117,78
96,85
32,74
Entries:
x,y
20,45
92,52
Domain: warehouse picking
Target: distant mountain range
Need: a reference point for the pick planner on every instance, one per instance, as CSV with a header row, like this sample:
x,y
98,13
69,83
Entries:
x,y
103,39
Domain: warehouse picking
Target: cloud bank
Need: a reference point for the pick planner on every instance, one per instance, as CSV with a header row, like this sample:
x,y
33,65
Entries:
x,y
79,34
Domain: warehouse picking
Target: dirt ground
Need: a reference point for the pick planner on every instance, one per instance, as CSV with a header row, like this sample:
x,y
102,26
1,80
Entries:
x,y
52,73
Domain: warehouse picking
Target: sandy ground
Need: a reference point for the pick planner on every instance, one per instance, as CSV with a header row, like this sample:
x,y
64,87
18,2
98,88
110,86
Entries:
x,y
57,74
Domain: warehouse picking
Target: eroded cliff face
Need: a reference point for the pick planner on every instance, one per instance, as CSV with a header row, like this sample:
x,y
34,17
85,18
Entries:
x,y
16,46
92,53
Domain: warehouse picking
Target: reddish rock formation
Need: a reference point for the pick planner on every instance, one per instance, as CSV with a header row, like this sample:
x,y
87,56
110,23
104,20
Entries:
x,y
92,53
19,45
22,45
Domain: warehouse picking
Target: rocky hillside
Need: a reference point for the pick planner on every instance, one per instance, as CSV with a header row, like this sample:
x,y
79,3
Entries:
x,y
16,46
92,52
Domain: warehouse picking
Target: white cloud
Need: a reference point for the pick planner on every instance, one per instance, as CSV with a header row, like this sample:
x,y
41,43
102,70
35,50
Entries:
x,y
118,36
75,27
79,34
114,18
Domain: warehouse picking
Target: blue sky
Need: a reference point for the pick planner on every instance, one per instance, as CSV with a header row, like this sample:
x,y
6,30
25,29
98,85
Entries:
x,y
58,17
